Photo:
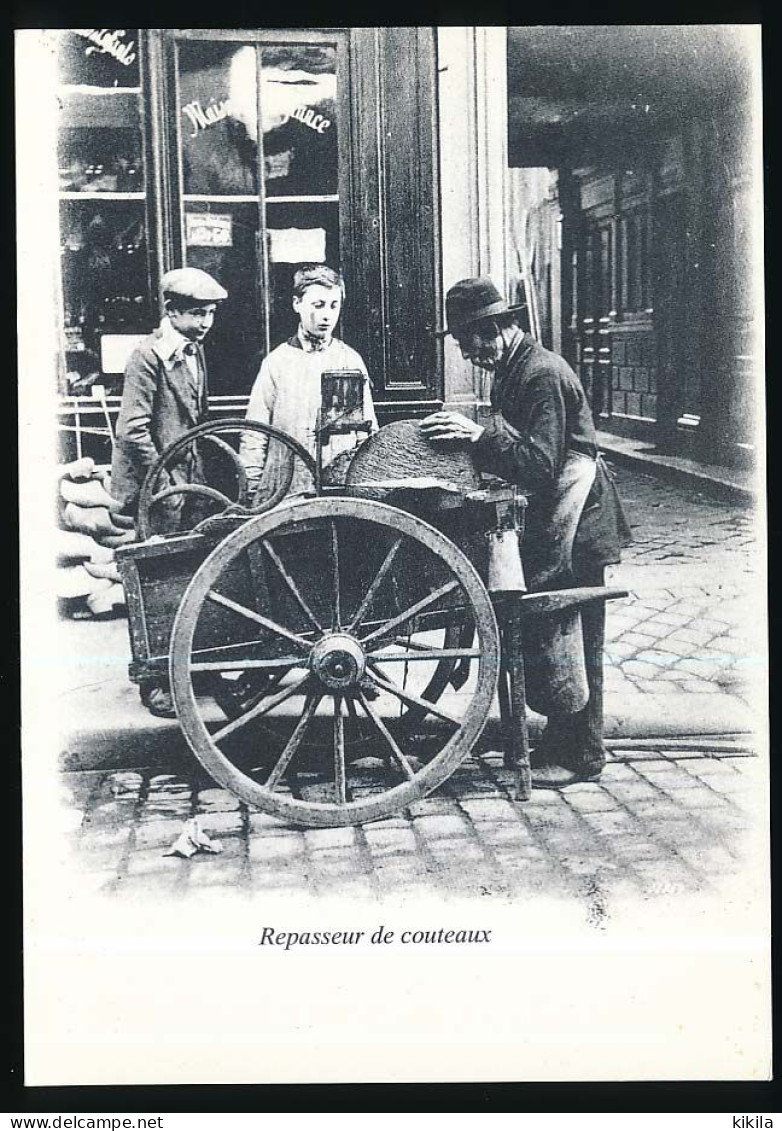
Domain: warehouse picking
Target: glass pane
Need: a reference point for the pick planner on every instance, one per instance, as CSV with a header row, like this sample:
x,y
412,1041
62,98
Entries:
x,y
104,277
223,240
298,99
100,142
218,118
297,233
99,56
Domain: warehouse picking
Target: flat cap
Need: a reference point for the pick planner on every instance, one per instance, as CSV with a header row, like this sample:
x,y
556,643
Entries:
x,y
190,282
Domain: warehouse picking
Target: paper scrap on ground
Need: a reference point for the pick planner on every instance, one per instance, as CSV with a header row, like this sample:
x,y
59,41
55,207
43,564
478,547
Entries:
x,y
191,840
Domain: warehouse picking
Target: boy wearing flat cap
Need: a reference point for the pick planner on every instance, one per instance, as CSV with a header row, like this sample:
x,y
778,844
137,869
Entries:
x,y
165,395
541,435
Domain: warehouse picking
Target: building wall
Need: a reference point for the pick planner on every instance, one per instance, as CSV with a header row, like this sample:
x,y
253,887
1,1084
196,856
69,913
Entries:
x,y
472,100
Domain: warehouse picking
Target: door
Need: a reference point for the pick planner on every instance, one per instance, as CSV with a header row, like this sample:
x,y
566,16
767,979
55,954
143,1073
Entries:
x,y
258,156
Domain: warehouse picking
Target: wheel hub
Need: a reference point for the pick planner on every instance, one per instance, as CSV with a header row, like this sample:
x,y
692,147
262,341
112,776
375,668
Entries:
x,y
338,661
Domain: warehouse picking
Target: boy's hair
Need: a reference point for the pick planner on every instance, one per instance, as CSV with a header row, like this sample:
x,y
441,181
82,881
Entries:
x,y
180,303
316,274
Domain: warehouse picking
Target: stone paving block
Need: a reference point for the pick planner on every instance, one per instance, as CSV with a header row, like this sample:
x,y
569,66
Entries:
x,y
216,823
656,687
628,793
218,873
506,834
598,800
98,859
216,800
387,842
264,823
612,821
709,768
713,862
702,799
446,826
157,834
631,847
660,880
672,618
331,838
392,873
444,853
276,848
489,809
639,669
678,831
638,639
337,861
434,805
110,813
279,882
146,861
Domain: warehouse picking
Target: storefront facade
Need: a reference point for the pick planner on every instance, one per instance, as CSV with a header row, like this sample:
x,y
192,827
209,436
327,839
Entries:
x,y
247,153
409,158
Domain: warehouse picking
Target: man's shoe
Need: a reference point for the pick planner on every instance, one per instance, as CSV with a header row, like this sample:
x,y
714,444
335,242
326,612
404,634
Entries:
x,y
158,701
552,776
589,766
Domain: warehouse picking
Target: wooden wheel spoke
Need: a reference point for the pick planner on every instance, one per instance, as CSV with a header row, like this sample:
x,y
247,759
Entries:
x,y
293,742
378,580
340,779
429,654
262,708
390,626
336,614
257,618
291,585
398,755
287,662
414,700
274,681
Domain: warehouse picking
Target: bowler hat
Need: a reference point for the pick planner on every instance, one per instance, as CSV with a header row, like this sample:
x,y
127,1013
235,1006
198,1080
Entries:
x,y
192,283
471,300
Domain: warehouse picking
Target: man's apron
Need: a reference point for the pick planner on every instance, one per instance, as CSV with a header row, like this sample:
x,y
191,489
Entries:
x,y
554,661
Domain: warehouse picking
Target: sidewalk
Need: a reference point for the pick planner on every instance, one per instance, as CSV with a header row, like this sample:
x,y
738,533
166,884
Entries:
x,y
676,809
685,652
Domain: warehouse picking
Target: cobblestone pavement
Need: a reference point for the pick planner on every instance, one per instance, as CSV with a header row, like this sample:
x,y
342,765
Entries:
x,y
691,622
656,822
652,825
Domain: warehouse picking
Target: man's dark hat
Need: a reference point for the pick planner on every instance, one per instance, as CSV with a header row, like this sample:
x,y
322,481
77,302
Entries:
x,y
471,300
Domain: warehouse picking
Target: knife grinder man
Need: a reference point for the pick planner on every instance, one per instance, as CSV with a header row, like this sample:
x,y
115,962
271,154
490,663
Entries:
x,y
540,435
165,395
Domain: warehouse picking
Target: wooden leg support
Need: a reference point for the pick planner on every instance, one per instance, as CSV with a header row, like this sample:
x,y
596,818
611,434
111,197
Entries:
x,y
513,707
593,619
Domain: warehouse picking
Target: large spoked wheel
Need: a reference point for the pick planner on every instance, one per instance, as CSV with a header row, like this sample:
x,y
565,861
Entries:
x,y
334,599
211,451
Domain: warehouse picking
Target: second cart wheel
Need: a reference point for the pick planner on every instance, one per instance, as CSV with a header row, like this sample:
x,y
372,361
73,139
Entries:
x,y
332,599
221,438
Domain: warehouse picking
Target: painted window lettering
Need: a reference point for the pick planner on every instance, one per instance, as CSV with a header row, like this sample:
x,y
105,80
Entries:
x,y
109,43
200,118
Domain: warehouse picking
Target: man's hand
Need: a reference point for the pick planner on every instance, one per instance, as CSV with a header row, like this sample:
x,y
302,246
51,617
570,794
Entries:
x,y
450,426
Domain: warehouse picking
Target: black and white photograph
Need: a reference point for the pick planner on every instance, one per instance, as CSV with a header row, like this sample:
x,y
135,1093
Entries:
x,y
393,554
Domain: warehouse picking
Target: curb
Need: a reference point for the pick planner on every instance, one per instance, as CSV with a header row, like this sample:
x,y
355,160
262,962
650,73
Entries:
x,y
721,482
130,738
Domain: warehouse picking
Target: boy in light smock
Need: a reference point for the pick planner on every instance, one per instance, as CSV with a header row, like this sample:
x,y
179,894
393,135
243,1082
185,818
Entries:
x,y
287,390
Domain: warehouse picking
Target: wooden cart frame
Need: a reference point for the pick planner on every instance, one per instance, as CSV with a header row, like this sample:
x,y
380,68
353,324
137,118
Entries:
x,y
333,659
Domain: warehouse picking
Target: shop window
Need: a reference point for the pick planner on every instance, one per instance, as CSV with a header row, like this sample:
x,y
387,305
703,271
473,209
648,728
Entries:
x,y
259,174
103,219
